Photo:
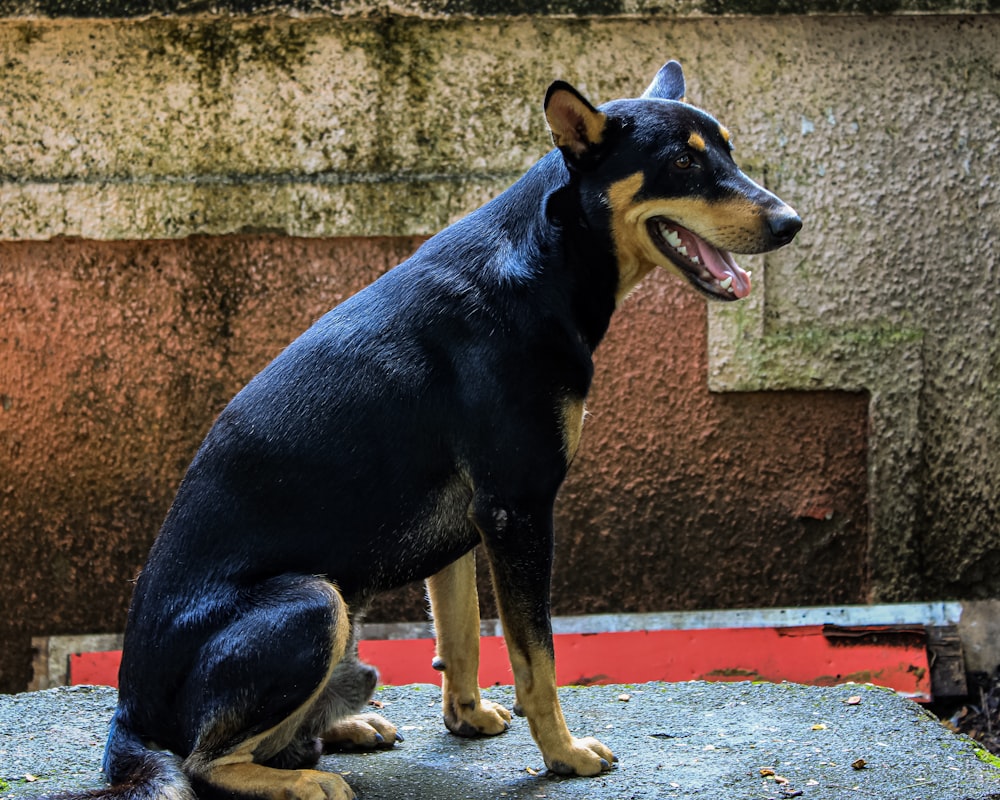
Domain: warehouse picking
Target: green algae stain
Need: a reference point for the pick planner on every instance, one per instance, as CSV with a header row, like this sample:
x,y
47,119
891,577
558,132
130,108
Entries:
x,y
987,757
797,357
221,48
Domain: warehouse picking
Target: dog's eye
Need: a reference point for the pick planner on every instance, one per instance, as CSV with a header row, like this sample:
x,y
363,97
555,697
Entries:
x,y
683,162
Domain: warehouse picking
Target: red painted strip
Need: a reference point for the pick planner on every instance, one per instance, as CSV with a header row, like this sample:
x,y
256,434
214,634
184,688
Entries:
x,y
801,655
98,669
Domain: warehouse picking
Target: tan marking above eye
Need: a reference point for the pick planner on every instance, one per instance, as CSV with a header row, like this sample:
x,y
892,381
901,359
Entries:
x,y
725,135
697,142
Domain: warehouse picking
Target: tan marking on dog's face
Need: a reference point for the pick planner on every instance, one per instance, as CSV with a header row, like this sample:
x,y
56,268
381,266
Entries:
x,y
634,262
697,142
725,135
735,225
573,412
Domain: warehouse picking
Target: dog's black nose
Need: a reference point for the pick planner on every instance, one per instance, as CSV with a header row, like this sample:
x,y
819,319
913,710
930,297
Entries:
x,y
784,226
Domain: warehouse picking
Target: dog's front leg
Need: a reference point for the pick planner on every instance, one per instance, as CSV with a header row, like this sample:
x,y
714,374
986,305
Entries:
x,y
519,543
455,608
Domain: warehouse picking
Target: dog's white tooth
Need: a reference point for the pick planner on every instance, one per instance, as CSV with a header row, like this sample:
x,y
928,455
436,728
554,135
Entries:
x,y
695,260
727,284
730,289
682,250
672,238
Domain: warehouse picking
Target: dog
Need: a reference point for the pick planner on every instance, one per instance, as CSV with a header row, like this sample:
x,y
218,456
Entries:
x,y
436,410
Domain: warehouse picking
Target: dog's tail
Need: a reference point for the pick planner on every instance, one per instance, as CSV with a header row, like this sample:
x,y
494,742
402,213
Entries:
x,y
135,771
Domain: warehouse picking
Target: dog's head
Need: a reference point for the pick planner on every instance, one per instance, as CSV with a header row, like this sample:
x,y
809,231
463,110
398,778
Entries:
x,y
664,172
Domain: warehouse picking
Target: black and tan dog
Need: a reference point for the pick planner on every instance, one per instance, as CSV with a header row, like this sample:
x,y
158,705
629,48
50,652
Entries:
x,y
435,410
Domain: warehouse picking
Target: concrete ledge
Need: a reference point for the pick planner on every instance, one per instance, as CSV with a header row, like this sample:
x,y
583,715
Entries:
x,y
322,205
691,740
441,9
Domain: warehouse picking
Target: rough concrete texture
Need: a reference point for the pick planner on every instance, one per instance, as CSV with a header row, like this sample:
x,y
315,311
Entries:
x,y
690,740
979,629
433,9
121,353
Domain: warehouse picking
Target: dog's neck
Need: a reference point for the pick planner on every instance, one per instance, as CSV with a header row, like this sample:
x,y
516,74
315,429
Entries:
x,y
538,238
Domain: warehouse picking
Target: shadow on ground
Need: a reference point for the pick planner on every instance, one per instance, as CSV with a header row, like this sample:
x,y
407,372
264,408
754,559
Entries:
x,y
698,741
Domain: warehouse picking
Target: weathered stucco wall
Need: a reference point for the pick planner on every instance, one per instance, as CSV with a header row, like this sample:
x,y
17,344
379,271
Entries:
x,y
115,355
893,150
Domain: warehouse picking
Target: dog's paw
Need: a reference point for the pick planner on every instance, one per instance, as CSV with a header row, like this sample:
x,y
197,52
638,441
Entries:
x,y
484,718
583,757
309,784
362,732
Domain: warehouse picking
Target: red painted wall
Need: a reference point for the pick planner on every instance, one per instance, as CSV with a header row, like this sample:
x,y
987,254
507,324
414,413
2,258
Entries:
x,y
116,356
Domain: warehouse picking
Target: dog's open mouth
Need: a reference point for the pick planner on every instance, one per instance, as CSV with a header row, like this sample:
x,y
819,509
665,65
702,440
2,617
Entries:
x,y
710,269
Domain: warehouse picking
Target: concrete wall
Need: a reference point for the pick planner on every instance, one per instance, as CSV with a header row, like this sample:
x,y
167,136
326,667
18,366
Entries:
x,y
181,195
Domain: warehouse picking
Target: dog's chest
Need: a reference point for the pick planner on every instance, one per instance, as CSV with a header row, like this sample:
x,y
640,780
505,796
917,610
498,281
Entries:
x,y
437,533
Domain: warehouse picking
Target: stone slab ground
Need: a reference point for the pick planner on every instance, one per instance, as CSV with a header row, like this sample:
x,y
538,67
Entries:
x,y
698,741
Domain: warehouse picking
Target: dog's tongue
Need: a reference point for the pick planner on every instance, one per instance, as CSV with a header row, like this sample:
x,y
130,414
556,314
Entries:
x,y
719,263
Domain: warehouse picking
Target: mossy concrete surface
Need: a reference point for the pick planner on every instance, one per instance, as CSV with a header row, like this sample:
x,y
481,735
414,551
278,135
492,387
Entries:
x,y
697,741
484,8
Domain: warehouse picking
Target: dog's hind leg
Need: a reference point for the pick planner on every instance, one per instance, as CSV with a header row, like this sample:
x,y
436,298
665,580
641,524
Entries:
x,y
455,608
260,695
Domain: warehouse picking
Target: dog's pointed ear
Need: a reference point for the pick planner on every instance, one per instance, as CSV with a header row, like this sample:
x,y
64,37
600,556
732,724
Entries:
x,y
577,127
668,83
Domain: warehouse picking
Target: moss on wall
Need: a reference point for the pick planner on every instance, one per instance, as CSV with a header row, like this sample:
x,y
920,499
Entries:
x,y
123,9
